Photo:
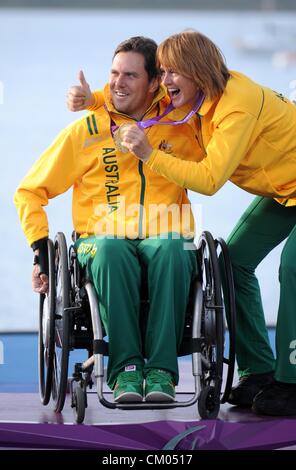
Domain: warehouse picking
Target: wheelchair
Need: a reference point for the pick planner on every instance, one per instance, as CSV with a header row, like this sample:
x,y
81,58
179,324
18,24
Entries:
x,y
69,319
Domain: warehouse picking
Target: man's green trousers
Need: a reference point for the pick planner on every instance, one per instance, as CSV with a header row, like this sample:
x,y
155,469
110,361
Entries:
x,y
115,268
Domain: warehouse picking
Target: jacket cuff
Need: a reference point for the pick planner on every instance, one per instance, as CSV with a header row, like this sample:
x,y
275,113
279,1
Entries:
x,y
152,158
94,106
39,244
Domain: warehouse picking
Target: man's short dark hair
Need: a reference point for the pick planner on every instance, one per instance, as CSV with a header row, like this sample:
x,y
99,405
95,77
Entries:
x,y
145,46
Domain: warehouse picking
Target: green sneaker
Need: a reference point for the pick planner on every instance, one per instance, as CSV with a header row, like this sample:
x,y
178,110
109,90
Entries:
x,y
129,386
159,386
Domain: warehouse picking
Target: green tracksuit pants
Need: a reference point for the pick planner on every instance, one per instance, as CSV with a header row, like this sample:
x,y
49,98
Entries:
x,y
261,228
115,267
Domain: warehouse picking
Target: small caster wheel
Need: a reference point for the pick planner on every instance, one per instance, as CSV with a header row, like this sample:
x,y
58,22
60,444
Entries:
x,y
79,401
208,404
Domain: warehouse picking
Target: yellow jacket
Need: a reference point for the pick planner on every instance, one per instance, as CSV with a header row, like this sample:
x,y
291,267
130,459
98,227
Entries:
x,y
113,192
247,136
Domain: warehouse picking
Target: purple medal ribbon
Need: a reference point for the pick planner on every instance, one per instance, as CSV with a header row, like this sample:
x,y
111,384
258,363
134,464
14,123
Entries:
x,y
151,122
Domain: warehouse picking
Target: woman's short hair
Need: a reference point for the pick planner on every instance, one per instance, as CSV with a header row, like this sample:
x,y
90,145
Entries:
x,y
195,56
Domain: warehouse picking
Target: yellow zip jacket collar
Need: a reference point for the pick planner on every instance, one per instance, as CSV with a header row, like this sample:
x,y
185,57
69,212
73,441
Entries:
x,y
246,136
113,193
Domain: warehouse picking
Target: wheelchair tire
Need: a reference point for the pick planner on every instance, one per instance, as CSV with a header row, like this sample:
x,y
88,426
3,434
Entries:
x,y
46,331
208,405
229,293
62,323
79,402
211,325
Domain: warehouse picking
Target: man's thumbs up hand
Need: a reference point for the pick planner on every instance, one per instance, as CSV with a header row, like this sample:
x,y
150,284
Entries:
x,y
83,82
80,97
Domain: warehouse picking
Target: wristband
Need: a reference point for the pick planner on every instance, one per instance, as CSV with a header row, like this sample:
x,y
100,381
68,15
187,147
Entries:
x,y
42,243
42,258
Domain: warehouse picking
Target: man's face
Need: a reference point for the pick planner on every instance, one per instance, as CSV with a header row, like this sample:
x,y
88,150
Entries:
x,y
131,91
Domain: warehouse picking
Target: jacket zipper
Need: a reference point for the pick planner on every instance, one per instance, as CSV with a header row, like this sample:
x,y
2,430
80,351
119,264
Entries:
x,y
142,196
201,143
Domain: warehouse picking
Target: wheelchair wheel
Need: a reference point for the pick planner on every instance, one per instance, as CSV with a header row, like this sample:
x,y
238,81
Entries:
x,y
229,297
211,329
46,332
62,323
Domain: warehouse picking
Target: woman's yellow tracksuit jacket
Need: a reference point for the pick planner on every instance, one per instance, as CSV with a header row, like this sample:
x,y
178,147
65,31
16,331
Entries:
x,y
246,136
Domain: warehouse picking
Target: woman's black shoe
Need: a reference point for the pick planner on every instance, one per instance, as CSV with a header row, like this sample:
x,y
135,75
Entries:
x,y
247,388
278,399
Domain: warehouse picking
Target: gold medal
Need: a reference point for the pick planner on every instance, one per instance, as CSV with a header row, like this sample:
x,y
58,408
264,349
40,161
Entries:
x,y
118,137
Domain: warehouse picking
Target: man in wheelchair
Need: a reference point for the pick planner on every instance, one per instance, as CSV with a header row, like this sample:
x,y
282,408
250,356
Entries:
x,y
128,217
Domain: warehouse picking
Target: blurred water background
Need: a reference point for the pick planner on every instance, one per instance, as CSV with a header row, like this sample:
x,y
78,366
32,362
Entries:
x,y
41,52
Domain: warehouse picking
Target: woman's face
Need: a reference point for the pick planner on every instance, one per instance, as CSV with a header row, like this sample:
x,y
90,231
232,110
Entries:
x,y
182,90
